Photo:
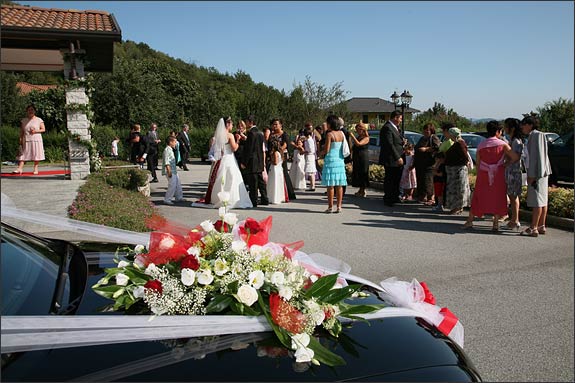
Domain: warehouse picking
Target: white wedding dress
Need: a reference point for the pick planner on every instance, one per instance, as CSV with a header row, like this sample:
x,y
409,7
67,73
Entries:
x,y
276,183
297,171
229,179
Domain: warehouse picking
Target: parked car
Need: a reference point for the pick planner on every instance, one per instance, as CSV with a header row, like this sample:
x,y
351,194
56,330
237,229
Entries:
x,y
373,149
560,153
551,136
472,140
43,276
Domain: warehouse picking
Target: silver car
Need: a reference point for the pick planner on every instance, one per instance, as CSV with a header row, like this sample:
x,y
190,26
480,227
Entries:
x,y
373,149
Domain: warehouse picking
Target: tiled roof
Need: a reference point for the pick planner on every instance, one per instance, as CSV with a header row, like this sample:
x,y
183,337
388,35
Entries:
x,y
61,19
26,88
372,105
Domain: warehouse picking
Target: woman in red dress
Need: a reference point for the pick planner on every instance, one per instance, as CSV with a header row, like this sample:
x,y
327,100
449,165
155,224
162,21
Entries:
x,y
490,195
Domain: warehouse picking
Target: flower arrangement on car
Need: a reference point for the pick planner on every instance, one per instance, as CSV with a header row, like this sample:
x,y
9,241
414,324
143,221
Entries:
x,y
230,267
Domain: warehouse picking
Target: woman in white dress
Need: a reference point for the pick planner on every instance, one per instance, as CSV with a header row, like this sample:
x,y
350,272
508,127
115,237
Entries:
x,y
297,170
228,177
276,182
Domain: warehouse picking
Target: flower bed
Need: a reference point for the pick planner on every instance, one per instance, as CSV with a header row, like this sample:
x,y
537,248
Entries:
x,y
560,202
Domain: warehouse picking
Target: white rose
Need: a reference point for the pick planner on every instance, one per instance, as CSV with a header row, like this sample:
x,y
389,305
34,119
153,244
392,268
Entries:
x,y
139,249
238,246
195,251
247,295
230,218
188,277
166,243
205,277
285,292
224,196
299,340
277,278
151,269
256,278
221,267
123,264
139,262
139,292
207,226
304,354
318,317
222,211
122,279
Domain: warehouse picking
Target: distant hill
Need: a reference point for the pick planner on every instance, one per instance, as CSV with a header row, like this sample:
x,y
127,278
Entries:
x,y
480,120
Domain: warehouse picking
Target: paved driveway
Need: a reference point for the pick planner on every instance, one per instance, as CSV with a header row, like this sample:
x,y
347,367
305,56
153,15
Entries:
x,y
514,295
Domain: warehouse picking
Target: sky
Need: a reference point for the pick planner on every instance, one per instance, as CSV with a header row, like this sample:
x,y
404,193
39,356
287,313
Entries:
x,y
485,59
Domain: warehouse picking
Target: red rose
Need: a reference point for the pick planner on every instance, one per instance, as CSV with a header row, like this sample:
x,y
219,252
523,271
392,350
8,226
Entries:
x,y
253,226
254,232
219,224
190,262
154,285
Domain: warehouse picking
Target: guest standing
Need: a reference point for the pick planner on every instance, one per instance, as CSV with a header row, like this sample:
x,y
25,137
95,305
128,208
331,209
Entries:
x,y
253,161
134,142
115,142
513,174
391,150
360,158
457,182
310,152
333,175
538,171
425,149
490,194
297,169
171,173
283,139
276,183
31,144
408,179
184,146
153,142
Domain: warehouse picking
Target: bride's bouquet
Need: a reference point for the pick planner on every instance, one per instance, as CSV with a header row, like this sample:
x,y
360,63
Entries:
x,y
230,267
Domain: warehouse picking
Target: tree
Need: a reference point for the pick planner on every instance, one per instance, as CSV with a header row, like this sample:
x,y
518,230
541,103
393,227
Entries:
x,y
438,114
557,116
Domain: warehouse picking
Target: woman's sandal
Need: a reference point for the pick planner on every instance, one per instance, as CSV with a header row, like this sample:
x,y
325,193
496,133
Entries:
x,y
328,210
529,232
513,225
338,210
541,229
495,227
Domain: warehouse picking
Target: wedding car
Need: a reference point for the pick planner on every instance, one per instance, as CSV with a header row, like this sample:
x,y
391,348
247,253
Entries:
x,y
54,328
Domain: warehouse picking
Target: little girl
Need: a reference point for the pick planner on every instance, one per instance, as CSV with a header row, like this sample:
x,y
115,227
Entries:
x,y
408,180
115,147
275,185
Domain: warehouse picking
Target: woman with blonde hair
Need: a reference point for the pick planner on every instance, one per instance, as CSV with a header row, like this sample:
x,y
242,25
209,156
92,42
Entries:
x,y
360,158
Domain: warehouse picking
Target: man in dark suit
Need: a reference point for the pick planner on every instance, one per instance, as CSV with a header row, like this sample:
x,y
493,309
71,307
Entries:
x,y
153,142
185,147
252,162
391,149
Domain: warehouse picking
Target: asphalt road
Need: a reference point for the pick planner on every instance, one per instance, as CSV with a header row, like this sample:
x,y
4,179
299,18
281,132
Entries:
x,y
514,295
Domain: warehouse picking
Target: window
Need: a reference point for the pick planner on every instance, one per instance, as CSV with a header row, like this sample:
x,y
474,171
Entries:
x,y
365,118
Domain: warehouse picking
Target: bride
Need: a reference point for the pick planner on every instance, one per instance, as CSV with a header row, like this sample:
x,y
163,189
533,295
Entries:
x,y
225,174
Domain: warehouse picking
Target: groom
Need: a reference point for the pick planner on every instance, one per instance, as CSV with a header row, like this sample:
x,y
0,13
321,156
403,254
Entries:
x,y
252,162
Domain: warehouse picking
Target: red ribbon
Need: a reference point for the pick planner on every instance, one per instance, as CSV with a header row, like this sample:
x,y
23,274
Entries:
x,y
429,298
449,321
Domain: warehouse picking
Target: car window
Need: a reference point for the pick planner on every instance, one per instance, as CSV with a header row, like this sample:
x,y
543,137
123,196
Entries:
x,y
373,141
473,141
29,275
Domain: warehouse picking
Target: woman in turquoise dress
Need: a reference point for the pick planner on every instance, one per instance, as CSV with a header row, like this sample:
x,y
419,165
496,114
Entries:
x,y
333,172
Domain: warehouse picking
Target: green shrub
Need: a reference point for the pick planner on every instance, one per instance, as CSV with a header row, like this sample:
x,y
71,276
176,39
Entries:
x,y
55,144
100,203
103,136
129,179
9,142
560,202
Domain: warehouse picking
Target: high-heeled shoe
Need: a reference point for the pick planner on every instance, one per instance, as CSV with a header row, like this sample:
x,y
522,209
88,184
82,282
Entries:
x,y
529,232
513,225
541,229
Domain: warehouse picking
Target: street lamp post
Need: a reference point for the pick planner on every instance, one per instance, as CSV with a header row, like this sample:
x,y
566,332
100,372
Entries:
x,y
405,98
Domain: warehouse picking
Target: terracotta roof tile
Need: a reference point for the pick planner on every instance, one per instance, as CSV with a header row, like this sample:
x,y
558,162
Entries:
x,y
26,88
49,18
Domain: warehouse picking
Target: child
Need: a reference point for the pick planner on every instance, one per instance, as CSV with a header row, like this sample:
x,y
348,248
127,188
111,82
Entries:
x,y
310,151
115,147
408,180
171,172
275,186
439,180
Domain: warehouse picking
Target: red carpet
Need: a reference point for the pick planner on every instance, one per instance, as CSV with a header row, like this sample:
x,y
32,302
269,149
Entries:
x,y
40,173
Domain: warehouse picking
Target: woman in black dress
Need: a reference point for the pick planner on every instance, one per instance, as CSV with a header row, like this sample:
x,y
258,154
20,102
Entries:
x,y
283,138
425,150
360,174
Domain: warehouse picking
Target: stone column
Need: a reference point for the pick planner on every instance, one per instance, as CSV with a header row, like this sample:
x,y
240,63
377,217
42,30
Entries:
x,y
77,121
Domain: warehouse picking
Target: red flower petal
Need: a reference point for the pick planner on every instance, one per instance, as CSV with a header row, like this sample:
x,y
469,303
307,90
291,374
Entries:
x,y
154,285
190,262
285,315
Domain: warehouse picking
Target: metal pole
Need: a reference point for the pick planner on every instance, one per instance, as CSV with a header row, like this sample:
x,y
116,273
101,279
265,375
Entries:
x,y
402,120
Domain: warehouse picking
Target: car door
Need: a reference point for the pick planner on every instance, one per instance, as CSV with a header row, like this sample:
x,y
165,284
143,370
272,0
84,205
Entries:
x,y
561,158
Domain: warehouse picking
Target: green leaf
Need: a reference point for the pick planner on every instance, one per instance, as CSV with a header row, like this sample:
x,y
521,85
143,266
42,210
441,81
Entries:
x,y
321,286
323,355
219,303
337,295
107,291
360,309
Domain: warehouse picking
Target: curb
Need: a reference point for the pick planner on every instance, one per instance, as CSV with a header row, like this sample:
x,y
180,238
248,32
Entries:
x,y
524,215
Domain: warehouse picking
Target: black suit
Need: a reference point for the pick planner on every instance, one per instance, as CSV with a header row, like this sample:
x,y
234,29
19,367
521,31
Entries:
x,y
184,141
391,150
253,160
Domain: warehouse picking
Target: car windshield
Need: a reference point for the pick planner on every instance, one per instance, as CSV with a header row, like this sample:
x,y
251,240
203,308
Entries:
x,y
473,141
29,274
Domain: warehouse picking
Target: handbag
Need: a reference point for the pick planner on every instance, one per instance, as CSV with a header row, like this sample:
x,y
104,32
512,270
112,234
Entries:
x,y
345,148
